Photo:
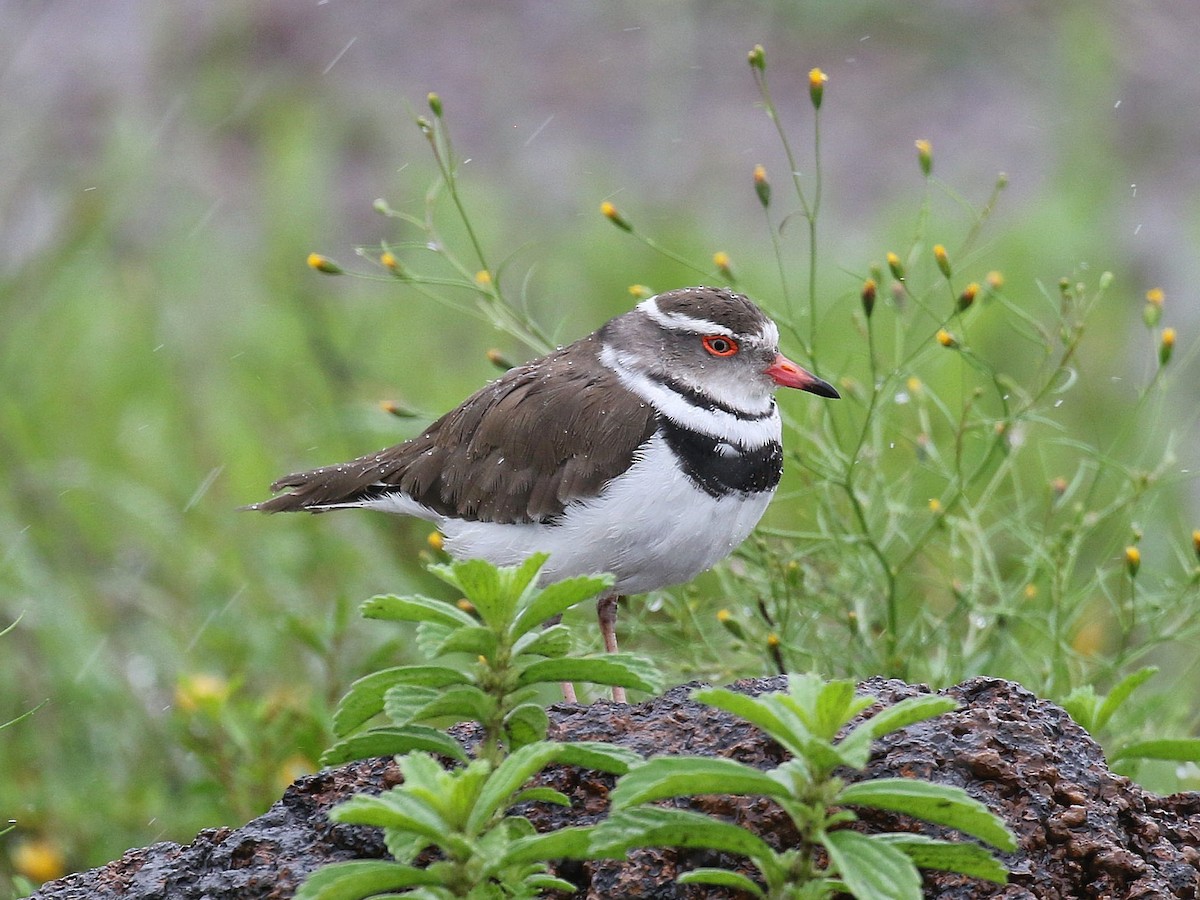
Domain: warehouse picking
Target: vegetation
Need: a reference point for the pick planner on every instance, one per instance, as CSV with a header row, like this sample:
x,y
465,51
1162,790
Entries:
x,y
987,498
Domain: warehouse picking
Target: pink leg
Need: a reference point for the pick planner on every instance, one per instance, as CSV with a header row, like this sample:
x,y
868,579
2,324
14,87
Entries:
x,y
606,612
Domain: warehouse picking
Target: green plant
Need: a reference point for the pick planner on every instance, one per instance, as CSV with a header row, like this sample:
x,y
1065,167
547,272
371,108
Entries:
x,y
1093,712
806,720
491,656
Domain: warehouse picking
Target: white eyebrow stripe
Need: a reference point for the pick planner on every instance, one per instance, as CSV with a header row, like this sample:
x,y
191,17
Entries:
x,y
679,322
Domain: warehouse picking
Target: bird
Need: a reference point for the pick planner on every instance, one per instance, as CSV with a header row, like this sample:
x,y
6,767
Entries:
x,y
648,449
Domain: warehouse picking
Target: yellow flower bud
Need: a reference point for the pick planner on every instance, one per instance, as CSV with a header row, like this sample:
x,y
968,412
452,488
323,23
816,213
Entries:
x,y
1031,591
914,384
640,291
483,278
896,266
935,505
323,264
943,261
816,86
730,624
925,156
869,290
436,541
610,212
721,261
1133,560
967,297
465,605
388,261
499,360
392,408
945,338
762,187
1166,346
1155,296
201,692
1196,542
435,104
995,280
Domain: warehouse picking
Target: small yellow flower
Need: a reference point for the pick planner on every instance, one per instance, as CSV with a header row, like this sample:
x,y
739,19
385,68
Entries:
x,y
943,260
773,640
1167,345
945,338
721,261
730,624
499,360
1089,639
436,541
935,505
762,187
995,280
1196,542
483,278
1155,296
392,408
914,384
38,859
610,212
1031,591
323,264
925,156
816,86
201,691
1133,560
388,261
640,291
896,266
1059,486
465,605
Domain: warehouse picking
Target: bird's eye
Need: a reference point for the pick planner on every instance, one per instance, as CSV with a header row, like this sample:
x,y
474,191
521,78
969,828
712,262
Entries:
x,y
719,345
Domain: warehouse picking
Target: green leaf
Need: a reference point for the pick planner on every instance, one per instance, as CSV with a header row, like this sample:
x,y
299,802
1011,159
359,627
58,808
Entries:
x,y
403,702
479,580
572,842
554,641
780,724
523,764
415,609
476,640
906,712
461,702
541,795
942,804
872,870
1175,749
392,809
834,706
431,635
542,882
620,669
948,856
651,826
557,597
365,697
721,878
1120,693
361,878
1083,706
526,724
688,776
391,742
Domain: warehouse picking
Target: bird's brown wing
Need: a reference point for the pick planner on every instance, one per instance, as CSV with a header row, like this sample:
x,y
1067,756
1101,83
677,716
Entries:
x,y
518,450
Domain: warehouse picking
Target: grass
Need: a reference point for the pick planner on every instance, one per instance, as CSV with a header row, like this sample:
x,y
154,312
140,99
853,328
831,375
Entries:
x,y
163,373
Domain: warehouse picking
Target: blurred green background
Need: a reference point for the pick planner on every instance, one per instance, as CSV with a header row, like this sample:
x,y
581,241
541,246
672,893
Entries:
x,y
166,353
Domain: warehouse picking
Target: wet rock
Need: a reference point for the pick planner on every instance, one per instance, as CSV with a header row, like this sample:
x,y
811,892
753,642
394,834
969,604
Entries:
x,y
1083,832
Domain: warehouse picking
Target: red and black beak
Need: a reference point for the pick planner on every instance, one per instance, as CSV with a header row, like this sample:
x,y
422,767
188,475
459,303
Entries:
x,y
786,373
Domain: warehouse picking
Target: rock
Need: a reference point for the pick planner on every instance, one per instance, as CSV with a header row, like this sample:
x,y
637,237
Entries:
x,y
1083,832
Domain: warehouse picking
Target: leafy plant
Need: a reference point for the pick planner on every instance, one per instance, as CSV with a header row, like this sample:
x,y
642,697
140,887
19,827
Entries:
x,y
1093,712
498,627
805,720
464,813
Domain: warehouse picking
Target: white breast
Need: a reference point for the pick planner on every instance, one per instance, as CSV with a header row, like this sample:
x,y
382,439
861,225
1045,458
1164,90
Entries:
x,y
651,528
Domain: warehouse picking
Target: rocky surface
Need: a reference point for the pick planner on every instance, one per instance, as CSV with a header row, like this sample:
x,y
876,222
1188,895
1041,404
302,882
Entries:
x,y
1083,831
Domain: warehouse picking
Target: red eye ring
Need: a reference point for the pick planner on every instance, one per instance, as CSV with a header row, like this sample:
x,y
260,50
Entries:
x,y
720,345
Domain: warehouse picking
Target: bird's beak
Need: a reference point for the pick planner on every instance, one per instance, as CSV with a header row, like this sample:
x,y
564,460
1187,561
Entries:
x,y
786,373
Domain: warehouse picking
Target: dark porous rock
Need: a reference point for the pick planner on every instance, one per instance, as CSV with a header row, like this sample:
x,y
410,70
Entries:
x,y
1083,832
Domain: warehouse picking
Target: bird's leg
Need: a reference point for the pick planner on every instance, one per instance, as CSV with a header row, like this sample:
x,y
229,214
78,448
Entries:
x,y
568,689
606,612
